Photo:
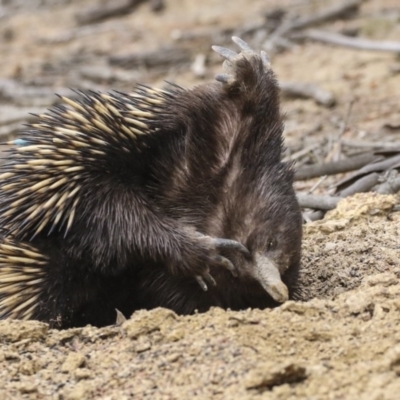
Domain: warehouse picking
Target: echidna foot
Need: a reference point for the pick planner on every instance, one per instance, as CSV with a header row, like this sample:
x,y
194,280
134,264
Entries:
x,y
221,244
232,58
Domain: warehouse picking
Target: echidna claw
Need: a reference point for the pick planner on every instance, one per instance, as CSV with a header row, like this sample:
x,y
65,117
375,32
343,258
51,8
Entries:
x,y
201,280
226,263
232,58
224,78
231,245
224,52
265,58
241,43
210,279
218,260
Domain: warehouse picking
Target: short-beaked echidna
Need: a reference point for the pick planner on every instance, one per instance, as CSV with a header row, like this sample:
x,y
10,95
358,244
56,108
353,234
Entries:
x,y
175,198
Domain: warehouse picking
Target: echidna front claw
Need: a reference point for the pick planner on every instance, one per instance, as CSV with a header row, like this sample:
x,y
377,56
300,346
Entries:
x,y
226,263
201,280
218,260
224,78
231,245
241,43
224,52
265,58
239,65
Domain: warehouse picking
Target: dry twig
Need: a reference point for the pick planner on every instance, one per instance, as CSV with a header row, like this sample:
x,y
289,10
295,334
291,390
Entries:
x,y
305,150
379,166
335,167
308,90
340,10
373,145
111,9
317,202
391,184
364,184
347,41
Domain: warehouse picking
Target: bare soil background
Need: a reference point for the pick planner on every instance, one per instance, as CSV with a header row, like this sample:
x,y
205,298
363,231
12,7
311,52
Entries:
x,y
343,340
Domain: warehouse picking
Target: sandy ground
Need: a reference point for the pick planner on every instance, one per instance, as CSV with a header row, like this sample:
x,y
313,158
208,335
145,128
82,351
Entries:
x,y
341,342
337,346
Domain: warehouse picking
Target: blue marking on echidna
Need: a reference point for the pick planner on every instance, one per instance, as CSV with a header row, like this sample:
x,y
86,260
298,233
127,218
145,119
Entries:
x,y
20,142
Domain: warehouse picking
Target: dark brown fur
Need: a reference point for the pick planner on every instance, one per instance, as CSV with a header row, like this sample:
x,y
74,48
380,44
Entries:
x,y
213,166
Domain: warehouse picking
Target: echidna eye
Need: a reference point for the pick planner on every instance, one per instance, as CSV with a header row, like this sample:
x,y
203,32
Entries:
x,y
271,243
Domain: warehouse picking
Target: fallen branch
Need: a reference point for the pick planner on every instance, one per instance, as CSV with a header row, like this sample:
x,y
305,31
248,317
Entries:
x,y
389,187
373,145
341,10
364,184
384,165
317,202
347,41
311,216
336,167
344,9
308,90
109,10
336,144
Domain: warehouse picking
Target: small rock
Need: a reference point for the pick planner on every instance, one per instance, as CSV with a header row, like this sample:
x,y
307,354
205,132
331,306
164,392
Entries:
x,y
78,392
29,367
330,246
11,356
269,375
176,334
72,362
82,373
318,336
359,302
171,358
28,387
142,346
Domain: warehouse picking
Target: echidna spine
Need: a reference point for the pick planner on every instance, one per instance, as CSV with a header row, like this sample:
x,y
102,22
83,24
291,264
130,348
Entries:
x,y
22,272
41,184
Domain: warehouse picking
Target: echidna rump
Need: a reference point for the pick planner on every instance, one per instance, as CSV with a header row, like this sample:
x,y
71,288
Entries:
x,y
175,198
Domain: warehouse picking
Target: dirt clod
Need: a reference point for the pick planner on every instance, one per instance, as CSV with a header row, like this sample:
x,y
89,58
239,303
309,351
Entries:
x,y
72,362
269,375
